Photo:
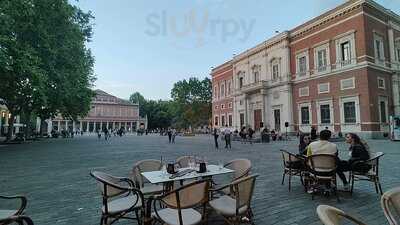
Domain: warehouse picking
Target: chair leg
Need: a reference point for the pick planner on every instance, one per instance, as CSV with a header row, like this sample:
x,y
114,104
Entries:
x,y
290,180
376,186
101,220
137,217
283,177
379,185
352,184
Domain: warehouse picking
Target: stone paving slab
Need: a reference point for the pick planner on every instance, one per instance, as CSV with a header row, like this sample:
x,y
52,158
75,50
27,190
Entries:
x,y
54,175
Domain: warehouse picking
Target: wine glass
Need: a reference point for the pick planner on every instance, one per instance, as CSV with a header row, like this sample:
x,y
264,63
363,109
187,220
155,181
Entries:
x,y
220,165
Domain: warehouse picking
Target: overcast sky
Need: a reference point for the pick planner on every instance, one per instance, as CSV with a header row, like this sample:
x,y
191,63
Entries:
x,y
147,46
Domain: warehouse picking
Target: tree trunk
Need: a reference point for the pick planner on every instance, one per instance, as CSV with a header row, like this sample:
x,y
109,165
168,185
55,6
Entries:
x,y
10,127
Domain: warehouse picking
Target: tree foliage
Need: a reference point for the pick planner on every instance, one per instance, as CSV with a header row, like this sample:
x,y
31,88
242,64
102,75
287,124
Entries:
x,y
45,67
190,105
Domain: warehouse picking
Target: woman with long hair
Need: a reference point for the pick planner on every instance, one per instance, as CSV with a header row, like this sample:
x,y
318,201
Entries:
x,y
358,155
304,141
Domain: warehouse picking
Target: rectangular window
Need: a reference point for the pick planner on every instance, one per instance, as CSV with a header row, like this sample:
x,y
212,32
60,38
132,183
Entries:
x,y
240,82
222,90
241,120
322,61
230,105
345,53
381,83
256,77
223,120
323,88
230,120
349,112
229,87
379,50
222,106
305,115
347,84
325,113
275,72
398,54
216,121
215,91
302,65
303,92
382,105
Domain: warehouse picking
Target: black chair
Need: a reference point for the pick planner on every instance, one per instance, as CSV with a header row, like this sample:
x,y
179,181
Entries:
x,y
293,165
120,197
372,175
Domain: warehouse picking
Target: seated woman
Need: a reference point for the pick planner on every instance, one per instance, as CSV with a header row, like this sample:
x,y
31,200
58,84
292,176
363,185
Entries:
x,y
304,141
358,153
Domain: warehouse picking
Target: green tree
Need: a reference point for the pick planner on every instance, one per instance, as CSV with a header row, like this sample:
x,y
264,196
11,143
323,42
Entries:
x,y
45,66
137,98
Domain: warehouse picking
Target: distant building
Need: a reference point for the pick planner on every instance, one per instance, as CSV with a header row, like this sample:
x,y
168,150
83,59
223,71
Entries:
x,y
106,111
222,102
340,70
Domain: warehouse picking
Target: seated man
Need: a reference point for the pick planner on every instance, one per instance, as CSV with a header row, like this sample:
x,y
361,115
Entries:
x,y
323,146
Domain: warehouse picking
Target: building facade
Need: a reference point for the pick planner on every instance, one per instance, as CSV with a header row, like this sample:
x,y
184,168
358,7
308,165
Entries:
x,y
340,70
107,111
262,96
345,69
222,102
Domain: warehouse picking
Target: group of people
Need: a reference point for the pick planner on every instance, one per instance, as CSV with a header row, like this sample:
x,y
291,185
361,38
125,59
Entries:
x,y
358,151
171,135
227,134
107,133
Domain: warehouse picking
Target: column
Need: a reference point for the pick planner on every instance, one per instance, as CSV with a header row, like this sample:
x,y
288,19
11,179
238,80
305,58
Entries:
x,y
113,125
137,125
58,126
246,121
17,121
66,125
87,126
49,126
131,127
73,126
395,77
80,126
94,126
263,118
38,123
126,126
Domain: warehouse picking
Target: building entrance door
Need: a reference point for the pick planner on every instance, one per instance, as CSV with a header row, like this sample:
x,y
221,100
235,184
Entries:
x,y
257,119
277,119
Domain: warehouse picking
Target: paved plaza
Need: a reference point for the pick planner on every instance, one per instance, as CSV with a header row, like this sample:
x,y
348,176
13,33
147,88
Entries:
x,y
54,175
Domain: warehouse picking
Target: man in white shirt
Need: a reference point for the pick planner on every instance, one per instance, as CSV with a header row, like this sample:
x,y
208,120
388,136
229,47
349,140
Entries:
x,y
323,146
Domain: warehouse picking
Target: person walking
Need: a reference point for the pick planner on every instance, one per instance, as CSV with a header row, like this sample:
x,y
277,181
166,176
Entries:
x,y
106,134
215,134
250,132
173,134
169,132
227,134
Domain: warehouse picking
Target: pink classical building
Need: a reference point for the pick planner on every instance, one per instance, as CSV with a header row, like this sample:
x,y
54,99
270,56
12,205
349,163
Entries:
x,y
107,111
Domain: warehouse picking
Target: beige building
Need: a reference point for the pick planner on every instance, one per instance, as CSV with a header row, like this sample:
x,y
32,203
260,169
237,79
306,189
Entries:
x,y
107,111
262,90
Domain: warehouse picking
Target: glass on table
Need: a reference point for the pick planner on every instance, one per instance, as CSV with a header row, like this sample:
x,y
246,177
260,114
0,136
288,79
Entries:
x,y
220,164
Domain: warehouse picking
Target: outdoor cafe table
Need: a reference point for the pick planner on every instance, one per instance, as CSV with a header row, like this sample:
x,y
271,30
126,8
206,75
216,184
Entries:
x,y
162,177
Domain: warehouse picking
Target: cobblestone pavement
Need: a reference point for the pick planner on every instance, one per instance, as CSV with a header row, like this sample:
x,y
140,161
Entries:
x,y
54,175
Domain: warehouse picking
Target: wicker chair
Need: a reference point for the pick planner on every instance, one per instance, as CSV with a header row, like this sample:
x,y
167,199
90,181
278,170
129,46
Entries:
x,y
332,216
183,161
7,213
390,203
20,219
241,168
289,168
322,168
120,197
236,205
372,175
178,205
141,182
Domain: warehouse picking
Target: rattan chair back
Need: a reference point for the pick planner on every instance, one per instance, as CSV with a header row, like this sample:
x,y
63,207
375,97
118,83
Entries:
x,y
243,191
144,166
322,163
390,202
332,216
241,167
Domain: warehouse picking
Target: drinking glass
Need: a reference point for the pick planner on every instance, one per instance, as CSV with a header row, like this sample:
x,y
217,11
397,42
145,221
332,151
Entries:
x,y
220,165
